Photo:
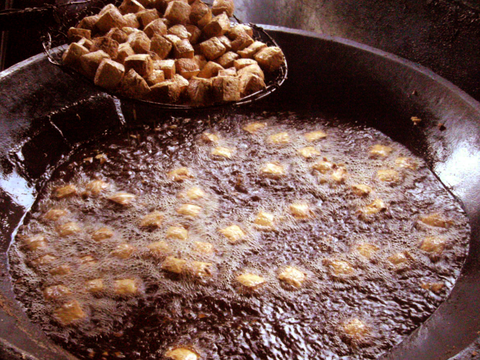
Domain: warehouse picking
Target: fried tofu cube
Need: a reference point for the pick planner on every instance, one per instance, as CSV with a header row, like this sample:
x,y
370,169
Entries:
x,y
265,219
270,58
125,287
436,287
367,250
254,127
107,8
113,18
226,88
155,28
250,84
167,66
55,214
69,313
203,247
86,43
177,12
242,42
124,51
76,34
181,82
355,329
399,259
146,16
154,219
183,49
61,270
88,22
177,232
200,14
361,189
340,267
180,31
250,281
308,152
159,249
388,176
212,48
339,175
195,33
94,285
43,260
107,44
68,228
35,242
374,207
188,68
140,42
123,251
102,234
174,265
315,135
132,22
324,166
161,46
122,198
167,91
56,292
435,220
223,6
130,6
292,276
233,233
225,41
141,63
231,71
241,63
65,191
195,193
222,152
118,35
433,245
300,210
71,57
250,51
182,354
157,76
180,174
134,86
199,269
239,29
109,74
273,170
406,163
218,26
95,187
380,151
251,69
87,260
189,210
227,59
200,91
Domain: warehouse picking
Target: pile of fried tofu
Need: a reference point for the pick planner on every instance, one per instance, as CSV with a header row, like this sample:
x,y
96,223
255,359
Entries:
x,y
175,52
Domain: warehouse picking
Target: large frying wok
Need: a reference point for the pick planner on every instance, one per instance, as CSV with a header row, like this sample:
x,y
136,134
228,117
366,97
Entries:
x,y
45,113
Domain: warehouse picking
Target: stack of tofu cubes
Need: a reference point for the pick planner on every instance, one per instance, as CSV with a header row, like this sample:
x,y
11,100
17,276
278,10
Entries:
x,y
175,52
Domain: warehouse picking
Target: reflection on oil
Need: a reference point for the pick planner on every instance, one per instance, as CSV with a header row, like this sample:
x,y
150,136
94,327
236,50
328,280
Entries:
x,y
18,188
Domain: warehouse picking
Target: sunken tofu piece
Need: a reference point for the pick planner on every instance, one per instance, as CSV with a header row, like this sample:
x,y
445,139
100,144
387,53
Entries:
x,y
199,91
270,58
250,84
87,260
212,48
122,198
123,251
300,210
107,44
436,287
167,91
124,51
250,51
380,151
361,189
374,207
155,28
339,267
222,152
177,12
55,214
94,285
200,14
250,281
61,270
43,260
112,18
406,163
199,269
180,174
355,329
130,6
140,42
76,34
265,219
227,59
134,86
272,170
292,276
226,88
308,152
177,232
388,176
189,210
254,127
167,66
367,250
95,187
161,46
159,249
435,220
68,228
141,63
233,233
400,259
220,6
324,166
102,234
56,292
182,354
154,219
188,68
195,193
203,247
339,175
174,265
433,245
109,74
218,26
183,49
71,57
69,313
125,287
315,135
65,191
35,242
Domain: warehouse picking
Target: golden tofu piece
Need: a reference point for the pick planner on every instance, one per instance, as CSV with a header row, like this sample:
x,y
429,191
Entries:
x,y
388,175
199,269
281,138
43,260
252,49
406,163
180,174
61,270
433,245
323,166
209,137
182,354
374,208
251,83
233,233
65,191
218,26
195,193
55,214
123,251
122,198
102,234
339,175
300,210
250,281
94,285
69,313
222,152
292,276
210,70
254,127
212,48
90,62
177,12
361,189
264,219
308,152
174,265
95,187
162,47
200,14
226,88
367,250
159,249
56,292
88,260
436,287
134,86
141,63
220,6
110,19
315,135
73,54
124,51
399,259
273,170
35,242
125,287
270,58
340,267
68,228
203,247
227,59
189,210
355,328
154,220
177,232
155,27
435,220
109,74
380,151
157,76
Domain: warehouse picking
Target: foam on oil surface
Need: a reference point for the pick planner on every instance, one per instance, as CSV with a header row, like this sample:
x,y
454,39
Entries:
x,y
215,317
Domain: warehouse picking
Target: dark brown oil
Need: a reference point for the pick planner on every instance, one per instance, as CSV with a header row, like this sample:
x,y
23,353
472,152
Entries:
x,y
214,317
